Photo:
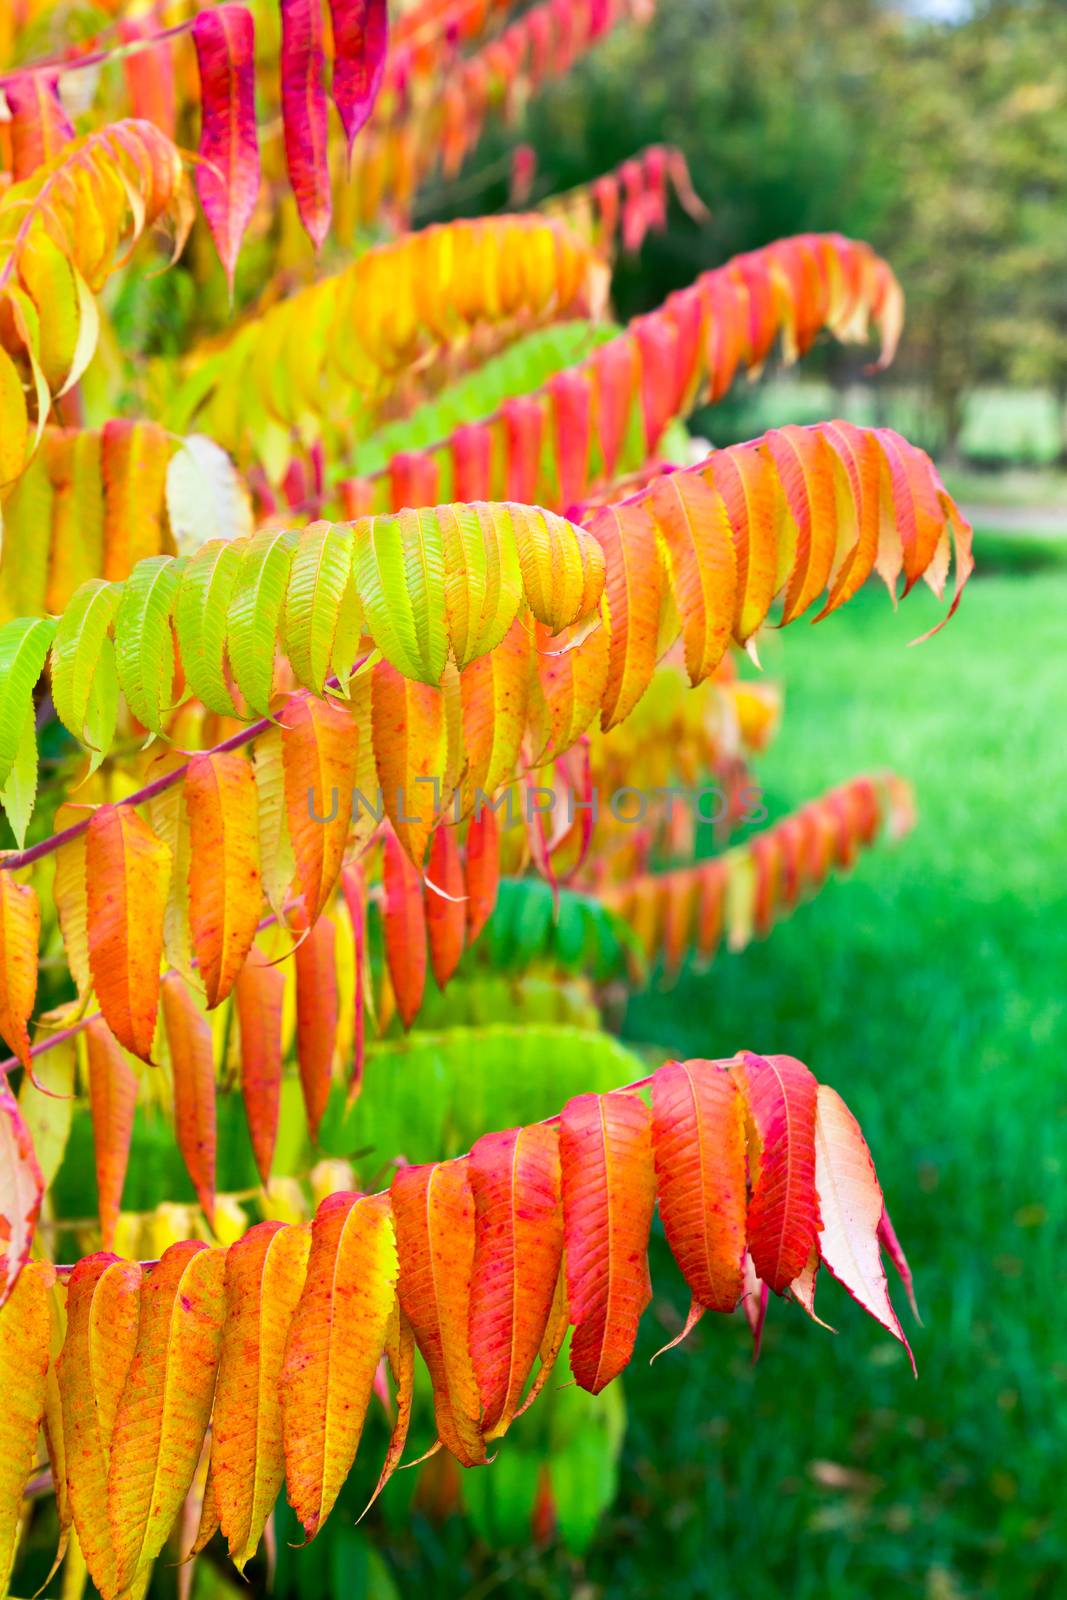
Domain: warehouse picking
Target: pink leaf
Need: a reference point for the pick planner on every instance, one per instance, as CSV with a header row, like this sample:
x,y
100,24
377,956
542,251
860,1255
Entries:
x,y
754,1299
891,1245
851,1206
227,179
305,113
21,1191
360,38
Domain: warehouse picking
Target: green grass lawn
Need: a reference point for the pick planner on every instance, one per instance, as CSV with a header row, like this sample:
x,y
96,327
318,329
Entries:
x,y
931,989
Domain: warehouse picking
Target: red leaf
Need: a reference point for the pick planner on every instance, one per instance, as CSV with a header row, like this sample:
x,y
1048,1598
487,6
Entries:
x,y
783,1213
472,450
699,1145
614,368
39,125
305,114
482,870
316,1017
446,904
360,40
413,480
571,400
355,894
227,179
608,1197
891,1245
259,993
404,926
524,423
515,1177
657,338
192,1061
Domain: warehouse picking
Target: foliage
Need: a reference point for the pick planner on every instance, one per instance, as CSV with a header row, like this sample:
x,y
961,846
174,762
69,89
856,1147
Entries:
x,y
201,662
464,1259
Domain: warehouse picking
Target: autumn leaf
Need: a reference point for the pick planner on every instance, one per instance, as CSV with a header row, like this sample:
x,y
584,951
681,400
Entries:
x,y
20,931
783,1212
225,896
163,1413
264,1278
21,1191
127,871
433,1208
112,1102
518,1249
608,1197
336,1338
103,1314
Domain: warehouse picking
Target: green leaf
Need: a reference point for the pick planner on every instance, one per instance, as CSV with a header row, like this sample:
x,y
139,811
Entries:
x,y
144,644
49,1116
520,369
24,645
101,713
201,610
79,650
255,613
20,791
400,574
319,577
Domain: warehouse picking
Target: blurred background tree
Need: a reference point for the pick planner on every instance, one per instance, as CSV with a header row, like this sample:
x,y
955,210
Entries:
x,y
940,139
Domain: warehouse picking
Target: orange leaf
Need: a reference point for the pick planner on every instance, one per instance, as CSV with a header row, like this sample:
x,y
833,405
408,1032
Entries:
x,y
445,904
805,467
783,1212
691,517
20,930
518,1247
316,1017
127,871
400,1353
745,479
335,1341
608,1197
133,461
434,1212
112,1099
494,692
163,1413
103,1312
264,1277
25,1339
225,897
699,1144
192,1062
258,995
404,926
633,595
410,744
320,743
